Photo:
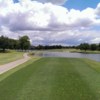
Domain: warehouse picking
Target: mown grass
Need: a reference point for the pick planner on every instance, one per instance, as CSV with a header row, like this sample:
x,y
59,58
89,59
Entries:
x,y
95,65
9,72
52,79
10,56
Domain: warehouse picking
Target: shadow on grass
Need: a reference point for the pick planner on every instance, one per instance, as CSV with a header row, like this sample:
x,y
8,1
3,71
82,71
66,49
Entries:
x,y
5,51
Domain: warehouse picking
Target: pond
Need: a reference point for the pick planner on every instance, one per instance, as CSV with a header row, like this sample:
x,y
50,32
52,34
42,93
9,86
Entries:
x,y
95,57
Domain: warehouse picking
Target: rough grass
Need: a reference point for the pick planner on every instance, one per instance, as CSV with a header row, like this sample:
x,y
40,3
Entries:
x,y
69,50
10,56
53,79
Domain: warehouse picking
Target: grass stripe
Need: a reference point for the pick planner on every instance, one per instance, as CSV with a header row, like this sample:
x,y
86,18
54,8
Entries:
x,y
50,79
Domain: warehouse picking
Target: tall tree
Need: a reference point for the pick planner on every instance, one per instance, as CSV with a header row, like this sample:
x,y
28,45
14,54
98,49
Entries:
x,y
4,43
24,42
93,46
13,44
84,46
99,46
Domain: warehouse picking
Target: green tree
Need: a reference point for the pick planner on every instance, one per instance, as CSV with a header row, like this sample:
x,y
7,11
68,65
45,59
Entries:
x,y
13,44
24,42
93,46
4,43
99,46
84,46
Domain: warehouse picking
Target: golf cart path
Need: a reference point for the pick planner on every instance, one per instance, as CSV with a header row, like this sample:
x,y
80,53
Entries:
x,y
8,66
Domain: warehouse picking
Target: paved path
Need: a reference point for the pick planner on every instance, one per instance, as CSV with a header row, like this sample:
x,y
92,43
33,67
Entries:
x,y
6,67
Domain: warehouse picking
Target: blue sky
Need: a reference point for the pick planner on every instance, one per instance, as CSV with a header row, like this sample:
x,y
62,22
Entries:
x,y
78,4
81,4
51,22
15,1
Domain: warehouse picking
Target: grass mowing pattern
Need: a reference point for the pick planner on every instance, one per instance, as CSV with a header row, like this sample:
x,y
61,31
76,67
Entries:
x,y
95,65
9,72
51,79
10,56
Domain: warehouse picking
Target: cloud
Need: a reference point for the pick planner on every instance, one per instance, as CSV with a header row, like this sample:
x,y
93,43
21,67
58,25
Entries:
x,y
38,16
47,23
58,2
97,10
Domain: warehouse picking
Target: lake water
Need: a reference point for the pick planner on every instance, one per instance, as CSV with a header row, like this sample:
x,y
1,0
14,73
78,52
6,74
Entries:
x,y
95,57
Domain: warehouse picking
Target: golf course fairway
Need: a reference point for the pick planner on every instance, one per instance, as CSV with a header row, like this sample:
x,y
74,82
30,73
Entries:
x,y
54,79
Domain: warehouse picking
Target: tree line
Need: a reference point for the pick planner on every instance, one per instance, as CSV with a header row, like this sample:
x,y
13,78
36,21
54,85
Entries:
x,y
23,43
42,47
86,46
82,46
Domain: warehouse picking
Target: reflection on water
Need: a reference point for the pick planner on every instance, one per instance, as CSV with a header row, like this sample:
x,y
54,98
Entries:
x,y
95,57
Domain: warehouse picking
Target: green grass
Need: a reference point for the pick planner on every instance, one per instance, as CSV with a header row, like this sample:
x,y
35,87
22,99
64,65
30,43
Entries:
x,y
68,50
82,51
52,79
10,56
9,72
95,65
77,51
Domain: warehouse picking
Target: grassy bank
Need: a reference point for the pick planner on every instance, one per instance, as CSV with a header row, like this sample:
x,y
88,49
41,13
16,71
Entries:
x,y
10,56
82,51
53,79
78,51
70,50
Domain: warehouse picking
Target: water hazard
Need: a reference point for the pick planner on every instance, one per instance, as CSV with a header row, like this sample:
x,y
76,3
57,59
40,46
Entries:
x,y
95,57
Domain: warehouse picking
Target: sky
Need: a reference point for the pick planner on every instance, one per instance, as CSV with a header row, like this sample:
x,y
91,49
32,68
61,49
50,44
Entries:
x,y
51,22
81,4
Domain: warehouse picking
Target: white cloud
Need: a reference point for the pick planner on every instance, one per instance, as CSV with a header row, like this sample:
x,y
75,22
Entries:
x,y
97,10
48,23
96,40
